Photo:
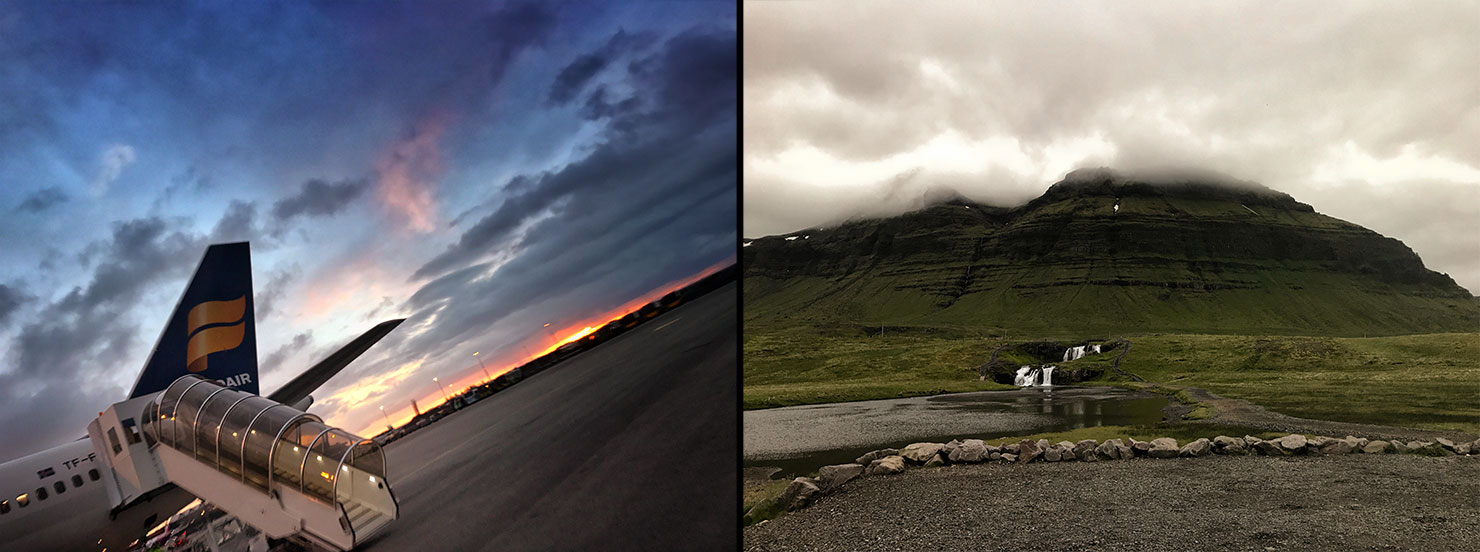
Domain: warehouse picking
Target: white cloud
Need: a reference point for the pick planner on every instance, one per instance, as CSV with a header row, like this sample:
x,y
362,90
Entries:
x,y
113,160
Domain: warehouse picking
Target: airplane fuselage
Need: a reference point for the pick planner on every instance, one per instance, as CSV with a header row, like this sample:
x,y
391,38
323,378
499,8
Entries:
x,y
77,518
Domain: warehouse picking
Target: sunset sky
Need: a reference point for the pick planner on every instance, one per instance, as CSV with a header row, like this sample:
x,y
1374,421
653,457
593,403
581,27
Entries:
x,y
480,170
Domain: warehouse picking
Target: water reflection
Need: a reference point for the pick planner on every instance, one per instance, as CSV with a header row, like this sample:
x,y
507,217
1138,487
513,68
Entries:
x,y
801,439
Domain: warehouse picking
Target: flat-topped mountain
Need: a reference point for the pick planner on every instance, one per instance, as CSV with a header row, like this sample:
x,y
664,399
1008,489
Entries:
x,y
1101,252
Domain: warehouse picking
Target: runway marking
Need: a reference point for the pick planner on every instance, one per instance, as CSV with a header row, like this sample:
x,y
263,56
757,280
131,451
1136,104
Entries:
x,y
670,323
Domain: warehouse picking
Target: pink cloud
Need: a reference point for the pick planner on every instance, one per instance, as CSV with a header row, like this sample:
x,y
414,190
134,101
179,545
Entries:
x,y
409,171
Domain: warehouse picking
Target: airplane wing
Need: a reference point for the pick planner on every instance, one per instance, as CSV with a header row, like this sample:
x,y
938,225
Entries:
x,y
315,376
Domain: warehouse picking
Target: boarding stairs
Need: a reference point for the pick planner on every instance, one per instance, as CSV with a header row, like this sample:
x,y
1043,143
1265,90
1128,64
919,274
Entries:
x,y
273,467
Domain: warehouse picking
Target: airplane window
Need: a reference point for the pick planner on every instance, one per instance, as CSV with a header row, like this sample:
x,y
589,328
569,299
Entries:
x,y
4,506
76,480
40,493
60,487
23,500
92,474
113,439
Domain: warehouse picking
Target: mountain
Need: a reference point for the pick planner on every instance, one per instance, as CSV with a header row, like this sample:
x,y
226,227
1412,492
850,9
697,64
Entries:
x,y
1106,253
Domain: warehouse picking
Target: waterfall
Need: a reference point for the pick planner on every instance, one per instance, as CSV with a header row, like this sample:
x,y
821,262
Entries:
x,y
1034,376
1074,353
1021,380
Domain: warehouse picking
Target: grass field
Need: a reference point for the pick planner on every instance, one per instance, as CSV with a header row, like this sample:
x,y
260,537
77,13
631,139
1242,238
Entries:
x,y
1429,381
809,367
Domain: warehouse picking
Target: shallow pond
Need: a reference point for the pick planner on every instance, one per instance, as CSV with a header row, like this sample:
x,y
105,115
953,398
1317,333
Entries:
x,y
800,439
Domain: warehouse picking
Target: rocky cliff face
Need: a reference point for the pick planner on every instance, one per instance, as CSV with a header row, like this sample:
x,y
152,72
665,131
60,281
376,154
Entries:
x,y
1100,252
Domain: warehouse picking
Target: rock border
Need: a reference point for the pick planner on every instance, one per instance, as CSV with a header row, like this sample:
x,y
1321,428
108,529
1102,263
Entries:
x,y
804,490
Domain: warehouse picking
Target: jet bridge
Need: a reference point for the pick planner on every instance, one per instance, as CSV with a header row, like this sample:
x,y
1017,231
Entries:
x,y
276,468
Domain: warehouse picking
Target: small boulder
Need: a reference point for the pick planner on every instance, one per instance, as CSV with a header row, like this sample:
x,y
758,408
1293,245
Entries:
x,y
1140,448
1229,445
887,465
947,449
1475,446
1267,448
1010,448
798,494
1009,457
830,478
1446,443
875,455
1200,447
994,455
1084,450
1066,450
1293,443
1029,451
1114,449
1042,444
1053,454
969,451
1462,449
920,453
1375,447
935,462
1338,446
1163,447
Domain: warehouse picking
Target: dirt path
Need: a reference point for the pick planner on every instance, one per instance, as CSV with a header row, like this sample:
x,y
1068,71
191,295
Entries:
x,y
1354,502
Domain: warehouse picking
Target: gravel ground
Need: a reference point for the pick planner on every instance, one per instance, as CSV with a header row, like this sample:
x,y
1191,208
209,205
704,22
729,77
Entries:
x,y
1353,502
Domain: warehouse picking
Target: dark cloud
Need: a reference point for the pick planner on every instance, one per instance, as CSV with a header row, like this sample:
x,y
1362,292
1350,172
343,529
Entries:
x,y
269,293
317,198
70,358
238,224
11,300
273,362
514,28
574,77
42,200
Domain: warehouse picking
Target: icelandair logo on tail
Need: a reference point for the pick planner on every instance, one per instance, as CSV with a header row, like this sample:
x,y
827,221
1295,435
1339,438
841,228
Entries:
x,y
212,338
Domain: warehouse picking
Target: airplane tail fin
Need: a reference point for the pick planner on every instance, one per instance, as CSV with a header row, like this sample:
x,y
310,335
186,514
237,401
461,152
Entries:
x,y
212,331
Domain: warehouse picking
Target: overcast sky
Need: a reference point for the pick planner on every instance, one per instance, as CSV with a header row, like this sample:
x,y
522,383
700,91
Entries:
x,y
481,168
1370,112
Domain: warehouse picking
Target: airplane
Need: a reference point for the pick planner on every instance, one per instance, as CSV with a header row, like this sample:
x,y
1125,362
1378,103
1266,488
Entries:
x,y
58,499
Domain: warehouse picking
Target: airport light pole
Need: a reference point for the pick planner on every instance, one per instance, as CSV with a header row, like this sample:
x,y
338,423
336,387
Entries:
x,y
485,368
388,425
444,390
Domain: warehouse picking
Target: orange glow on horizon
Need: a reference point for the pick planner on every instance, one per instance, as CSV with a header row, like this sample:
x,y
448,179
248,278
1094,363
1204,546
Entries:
x,y
542,342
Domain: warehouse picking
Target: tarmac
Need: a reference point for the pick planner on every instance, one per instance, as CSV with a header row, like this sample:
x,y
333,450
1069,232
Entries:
x,y
629,446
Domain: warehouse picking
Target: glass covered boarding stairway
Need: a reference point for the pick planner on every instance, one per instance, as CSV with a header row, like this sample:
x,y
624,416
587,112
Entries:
x,y
274,467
